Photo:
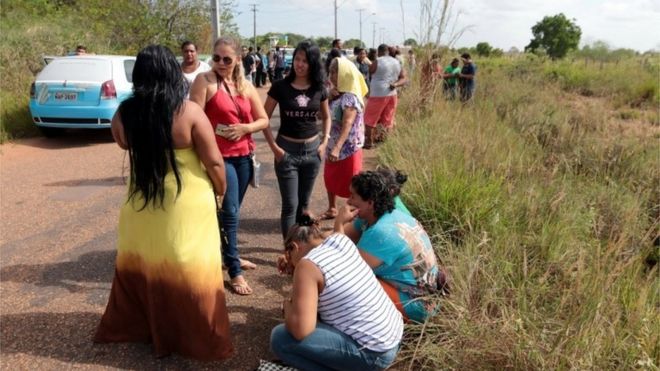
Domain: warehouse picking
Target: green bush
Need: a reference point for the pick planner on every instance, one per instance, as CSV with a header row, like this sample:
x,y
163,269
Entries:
x,y
32,29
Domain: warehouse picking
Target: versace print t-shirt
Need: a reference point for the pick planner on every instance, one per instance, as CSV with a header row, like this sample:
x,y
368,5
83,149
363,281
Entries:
x,y
298,109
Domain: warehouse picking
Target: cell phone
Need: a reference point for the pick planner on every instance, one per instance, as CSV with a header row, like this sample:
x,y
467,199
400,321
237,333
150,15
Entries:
x,y
222,130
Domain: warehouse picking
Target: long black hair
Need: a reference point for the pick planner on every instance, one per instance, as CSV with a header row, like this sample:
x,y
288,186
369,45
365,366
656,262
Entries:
x,y
373,186
158,93
313,55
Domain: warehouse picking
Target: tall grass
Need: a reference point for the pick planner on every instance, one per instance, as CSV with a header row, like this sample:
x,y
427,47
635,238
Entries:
x,y
632,82
544,213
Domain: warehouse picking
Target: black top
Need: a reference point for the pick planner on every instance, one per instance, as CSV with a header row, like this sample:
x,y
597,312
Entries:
x,y
298,109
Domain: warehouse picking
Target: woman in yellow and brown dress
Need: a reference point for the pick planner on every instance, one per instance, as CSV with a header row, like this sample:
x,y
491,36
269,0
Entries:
x,y
168,286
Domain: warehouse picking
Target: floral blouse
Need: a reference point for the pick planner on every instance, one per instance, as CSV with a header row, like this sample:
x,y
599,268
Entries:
x,y
355,139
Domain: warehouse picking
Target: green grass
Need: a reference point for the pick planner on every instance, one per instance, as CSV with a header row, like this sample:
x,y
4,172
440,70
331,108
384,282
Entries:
x,y
544,213
632,82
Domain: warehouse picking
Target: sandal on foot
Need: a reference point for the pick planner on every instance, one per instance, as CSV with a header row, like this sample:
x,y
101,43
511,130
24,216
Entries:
x,y
329,214
240,288
247,265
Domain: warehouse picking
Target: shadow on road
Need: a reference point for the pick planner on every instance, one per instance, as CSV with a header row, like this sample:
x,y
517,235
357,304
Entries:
x,y
71,138
254,226
92,267
67,337
110,181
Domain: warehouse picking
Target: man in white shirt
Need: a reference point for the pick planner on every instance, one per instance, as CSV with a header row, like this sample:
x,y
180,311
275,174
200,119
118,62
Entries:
x,y
191,66
386,76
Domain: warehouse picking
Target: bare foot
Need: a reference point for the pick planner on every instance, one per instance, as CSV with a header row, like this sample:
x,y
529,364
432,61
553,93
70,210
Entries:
x,y
247,265
240,286
331,213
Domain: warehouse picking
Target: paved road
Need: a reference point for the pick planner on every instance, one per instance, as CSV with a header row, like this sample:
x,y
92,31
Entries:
x,y
59,206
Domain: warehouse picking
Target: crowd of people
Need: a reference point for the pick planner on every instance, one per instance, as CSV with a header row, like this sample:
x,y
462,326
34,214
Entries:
x,y
188,130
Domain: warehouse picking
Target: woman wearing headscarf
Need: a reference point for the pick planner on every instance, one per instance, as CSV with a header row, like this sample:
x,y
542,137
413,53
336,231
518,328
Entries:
x,y
167,289
344,151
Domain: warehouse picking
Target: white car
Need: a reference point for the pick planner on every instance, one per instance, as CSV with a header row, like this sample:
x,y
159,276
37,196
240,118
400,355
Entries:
x,y
80,91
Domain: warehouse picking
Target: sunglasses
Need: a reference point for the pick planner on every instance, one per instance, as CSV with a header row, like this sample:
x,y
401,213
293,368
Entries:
x,y
226,60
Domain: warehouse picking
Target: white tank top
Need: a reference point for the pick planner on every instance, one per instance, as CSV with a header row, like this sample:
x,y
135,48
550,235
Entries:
x,y
387,72
352,300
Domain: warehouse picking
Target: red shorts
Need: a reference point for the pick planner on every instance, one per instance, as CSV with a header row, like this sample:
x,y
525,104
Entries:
x,y
380,110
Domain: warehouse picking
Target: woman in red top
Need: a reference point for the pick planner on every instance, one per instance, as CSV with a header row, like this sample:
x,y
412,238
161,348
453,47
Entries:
x,y
235,111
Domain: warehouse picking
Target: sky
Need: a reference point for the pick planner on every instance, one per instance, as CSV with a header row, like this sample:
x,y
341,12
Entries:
x,y
633,24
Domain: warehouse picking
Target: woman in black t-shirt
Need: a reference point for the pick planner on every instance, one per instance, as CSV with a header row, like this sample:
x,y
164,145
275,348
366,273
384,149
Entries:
x,y
299,148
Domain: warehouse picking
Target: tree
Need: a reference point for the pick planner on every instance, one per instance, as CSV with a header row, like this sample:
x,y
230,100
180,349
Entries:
x,y
228,26
351,43
439,17
484,49
556,34
324,42
410,42
138,23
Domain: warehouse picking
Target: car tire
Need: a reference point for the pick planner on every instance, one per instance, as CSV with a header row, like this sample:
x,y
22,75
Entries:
x,y
50,132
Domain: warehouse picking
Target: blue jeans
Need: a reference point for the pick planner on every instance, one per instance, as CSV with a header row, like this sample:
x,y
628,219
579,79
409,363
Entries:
x,y
327,349
238,173
296,173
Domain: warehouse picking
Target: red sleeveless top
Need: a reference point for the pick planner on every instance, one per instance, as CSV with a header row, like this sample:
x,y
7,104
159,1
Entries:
x,y
220,109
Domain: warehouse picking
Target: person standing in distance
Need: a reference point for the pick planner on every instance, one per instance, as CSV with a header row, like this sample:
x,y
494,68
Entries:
x,y
466,80
191,66
386,76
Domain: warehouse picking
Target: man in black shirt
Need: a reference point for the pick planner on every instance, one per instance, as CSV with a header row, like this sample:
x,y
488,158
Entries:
x,y
248,63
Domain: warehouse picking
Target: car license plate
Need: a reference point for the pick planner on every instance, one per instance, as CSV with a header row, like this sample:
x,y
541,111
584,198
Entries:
x,y
66,96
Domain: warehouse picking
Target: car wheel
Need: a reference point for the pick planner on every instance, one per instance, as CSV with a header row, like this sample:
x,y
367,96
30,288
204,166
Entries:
x,y
50,132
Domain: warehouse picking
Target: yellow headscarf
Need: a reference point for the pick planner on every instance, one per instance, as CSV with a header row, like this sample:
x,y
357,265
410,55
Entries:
x,y
350,80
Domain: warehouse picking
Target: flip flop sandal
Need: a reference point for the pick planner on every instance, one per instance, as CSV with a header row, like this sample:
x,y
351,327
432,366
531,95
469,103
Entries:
x,y
241,288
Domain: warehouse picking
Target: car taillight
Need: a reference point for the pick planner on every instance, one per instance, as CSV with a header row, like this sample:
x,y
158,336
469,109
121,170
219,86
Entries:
x,y
108,90
33,91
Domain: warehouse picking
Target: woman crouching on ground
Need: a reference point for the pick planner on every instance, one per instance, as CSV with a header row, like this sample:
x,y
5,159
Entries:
x,y
235,110
359,327
393,244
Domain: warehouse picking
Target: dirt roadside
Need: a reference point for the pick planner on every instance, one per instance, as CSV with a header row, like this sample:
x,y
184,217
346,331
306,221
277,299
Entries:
x,y
59,206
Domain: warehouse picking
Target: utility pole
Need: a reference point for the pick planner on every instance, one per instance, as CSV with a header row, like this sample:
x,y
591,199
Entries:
x,y
336,19
360,11
403,23
215,19
254,23
373,40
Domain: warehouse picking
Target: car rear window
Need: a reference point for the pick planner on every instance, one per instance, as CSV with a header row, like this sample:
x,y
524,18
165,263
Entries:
x,y
128,69
77,70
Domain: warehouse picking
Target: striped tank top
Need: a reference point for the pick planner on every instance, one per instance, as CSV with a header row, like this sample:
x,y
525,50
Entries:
x,y
352,300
